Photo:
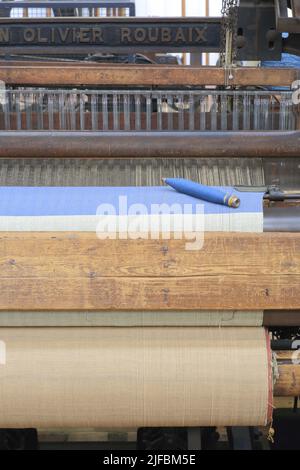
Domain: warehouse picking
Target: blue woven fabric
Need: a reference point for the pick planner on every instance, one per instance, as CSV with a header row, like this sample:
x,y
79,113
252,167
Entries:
x,y
63,201
288,61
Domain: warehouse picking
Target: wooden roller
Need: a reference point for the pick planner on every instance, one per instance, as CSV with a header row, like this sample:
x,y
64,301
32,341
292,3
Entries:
x,y
288,382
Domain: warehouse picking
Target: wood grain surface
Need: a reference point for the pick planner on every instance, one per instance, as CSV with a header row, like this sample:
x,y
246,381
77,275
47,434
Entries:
x,y
73,271
144,75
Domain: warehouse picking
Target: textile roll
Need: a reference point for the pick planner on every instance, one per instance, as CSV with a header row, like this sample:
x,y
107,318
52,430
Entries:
x,y
131,319
132,377
86,209
70,361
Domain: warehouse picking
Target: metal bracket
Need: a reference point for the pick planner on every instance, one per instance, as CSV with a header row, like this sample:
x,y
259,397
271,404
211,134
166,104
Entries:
x,y
257,37
284,22
240,438
194,439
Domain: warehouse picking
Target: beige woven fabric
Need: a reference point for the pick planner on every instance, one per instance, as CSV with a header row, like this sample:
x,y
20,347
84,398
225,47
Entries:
x,y
131,377
233,222
134,319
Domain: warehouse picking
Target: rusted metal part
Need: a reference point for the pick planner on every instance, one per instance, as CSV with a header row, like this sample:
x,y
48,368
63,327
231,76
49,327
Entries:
x,y
80,74
149,144
281,318
284,22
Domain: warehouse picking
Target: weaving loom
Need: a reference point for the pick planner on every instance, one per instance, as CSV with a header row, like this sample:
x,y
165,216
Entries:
x,y
108,329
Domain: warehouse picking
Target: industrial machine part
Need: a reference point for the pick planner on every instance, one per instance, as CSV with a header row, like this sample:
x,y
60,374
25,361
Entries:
x,y
258,36
144,110
70,115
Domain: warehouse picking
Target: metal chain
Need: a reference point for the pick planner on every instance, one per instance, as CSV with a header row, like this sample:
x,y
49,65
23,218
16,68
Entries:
x,y
228,44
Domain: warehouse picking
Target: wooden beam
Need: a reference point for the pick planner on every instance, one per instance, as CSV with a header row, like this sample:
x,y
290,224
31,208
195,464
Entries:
x,y
45,74
74,271
288,382
281,318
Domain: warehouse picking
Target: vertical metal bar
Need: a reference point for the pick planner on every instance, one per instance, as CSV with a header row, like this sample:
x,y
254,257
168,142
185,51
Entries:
x,y
94,112
207,13
116,120
180,99
191,112
246,112
170,112
137,102
194,439
290,113
105,111
50,108
240,438
28,110
6,108
272,113
213,113
61,111
17,100
39,105
224,111
257,112
72,105
202,111
159,112
126,106
148,112
282,113
82,111
183,14
265,104
132,9
235,113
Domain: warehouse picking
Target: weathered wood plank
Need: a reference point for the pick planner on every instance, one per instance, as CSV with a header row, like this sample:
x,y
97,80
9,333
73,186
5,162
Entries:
x,y
288,382
141,75
71,271
203,292
63,255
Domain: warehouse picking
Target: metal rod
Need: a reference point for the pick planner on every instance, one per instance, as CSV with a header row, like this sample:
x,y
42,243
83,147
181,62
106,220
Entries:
x,y
282,219
115,144
284,345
